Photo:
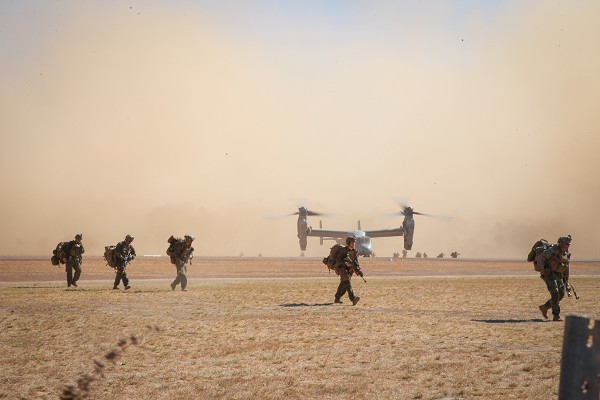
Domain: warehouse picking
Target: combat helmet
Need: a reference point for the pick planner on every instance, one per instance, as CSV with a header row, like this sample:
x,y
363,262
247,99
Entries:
x,y
189,238
350,239
79,236
129,238
564,239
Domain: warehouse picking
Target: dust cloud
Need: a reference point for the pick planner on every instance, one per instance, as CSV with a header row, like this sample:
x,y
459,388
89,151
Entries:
x,y
175,120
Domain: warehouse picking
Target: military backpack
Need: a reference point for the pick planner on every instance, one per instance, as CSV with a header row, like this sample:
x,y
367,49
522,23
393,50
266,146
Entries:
x,y
537,249
173,242
60,253
330,259
109,256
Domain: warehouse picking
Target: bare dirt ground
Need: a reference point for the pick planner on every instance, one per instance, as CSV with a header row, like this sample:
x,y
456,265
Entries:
x,y
267,328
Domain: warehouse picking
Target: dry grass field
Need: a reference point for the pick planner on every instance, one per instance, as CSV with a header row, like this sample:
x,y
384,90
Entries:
x,y
267,329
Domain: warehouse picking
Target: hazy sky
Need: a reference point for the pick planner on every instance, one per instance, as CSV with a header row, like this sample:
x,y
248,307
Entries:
x,y
171,117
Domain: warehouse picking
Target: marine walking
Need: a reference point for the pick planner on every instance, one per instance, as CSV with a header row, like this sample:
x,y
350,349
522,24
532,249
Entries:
x,y
552,261
181,253
346,264
123,254
73,258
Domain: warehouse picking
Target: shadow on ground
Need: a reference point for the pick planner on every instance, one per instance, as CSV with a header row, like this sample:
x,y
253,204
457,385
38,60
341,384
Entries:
x,y
306,305
507,321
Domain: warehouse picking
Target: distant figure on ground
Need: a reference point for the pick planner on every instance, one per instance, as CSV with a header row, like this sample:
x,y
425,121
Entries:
x,y
182,252
555,260
441,255
418,254
424,255
74,260
346,264
404,253
124,253
454,254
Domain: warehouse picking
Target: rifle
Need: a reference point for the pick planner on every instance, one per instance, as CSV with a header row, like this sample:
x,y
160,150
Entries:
x,y
355,266
117,257
188,256
571,288
75,251
128,257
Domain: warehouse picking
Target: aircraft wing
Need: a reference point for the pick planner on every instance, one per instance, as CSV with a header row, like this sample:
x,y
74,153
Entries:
x,y
327,233
385,232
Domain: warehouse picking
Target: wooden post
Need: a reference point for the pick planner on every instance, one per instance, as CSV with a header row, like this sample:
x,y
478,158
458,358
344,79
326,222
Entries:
x,y
580,364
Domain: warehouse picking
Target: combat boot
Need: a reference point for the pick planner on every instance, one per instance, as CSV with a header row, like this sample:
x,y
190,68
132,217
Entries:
x,y
557,318
127,287
173,286
544,309
115,287
338,301
356,299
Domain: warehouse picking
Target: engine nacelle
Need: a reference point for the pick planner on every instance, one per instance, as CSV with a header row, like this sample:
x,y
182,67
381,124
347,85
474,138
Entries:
x,y
302,232
409,229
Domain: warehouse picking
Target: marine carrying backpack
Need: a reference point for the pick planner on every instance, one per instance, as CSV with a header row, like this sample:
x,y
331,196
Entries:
x,y
537,249
60,253
330,259
109,256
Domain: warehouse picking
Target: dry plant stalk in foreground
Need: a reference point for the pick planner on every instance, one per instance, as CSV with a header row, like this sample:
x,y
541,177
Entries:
x,y
410,337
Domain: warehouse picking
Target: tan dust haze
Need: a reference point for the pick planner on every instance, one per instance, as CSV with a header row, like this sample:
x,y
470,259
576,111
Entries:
x,y
157,121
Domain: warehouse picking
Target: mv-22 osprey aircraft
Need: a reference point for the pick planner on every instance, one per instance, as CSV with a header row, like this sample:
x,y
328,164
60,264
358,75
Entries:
x,y
363,238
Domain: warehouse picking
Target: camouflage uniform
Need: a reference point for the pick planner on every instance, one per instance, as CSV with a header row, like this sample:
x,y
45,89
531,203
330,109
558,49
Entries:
x,y
345,272
74,260
555,274
123,253
182,254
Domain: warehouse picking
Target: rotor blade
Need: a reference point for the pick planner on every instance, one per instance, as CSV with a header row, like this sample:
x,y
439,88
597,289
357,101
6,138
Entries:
x,y
444,218
308,213
434,216
404,204
393,215
406,209
279,217
401,201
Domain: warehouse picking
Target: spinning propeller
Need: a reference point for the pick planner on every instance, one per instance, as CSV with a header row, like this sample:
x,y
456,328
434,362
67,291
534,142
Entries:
x,y
302,211
408,211
306,212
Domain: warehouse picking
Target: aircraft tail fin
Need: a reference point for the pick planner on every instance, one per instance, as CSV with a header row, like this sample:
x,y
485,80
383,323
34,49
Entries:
x,y
321,227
